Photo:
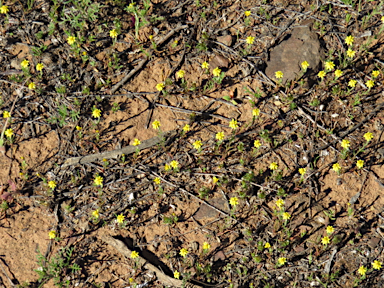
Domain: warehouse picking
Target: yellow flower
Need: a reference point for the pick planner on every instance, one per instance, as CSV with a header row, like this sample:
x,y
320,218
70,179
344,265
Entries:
x,y
273,166
183,252
280,203
302,171
39,67
325,240
186,128
71,40
250,40
234,201
157,180
136,142
134,254
233,124
360,164
257,144
156,124
167,167
349,40
174,164
31,86
52,234
362,270
205,65
256,112
113,33
345,144
6,114
267,245
52,184
375,73
329,65
282,260
160,86
215,179
279,74
78,128
368,136
370,83
336,167
176,274
96,213
220,136
305,65
180,73
120,218
4,9
216,72
382,19
351,53
9,132
206,246
24,63
330,229
247,13
98,180
376,265
96,113
321,74
352,83
197,144
338,73
286,216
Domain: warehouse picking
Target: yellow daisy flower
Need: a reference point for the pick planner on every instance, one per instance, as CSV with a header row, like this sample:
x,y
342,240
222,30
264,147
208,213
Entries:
x,y
233,124
279,74
113,33
329,65
180,74
305,65
250,40
136,142
156,124
205,65
349,40
234,201
216,72
220,136
71,40
96,113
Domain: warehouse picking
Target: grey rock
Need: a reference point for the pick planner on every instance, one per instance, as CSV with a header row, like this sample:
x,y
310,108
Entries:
x,y
302,45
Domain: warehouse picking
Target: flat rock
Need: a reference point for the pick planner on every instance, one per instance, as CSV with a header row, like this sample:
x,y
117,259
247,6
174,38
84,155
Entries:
x,y
301,45
219,61
207,213
226,40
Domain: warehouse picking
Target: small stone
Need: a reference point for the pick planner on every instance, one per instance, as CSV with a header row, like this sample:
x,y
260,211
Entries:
x,y
205,212
219,61
381,152
373,242
226,40
219,256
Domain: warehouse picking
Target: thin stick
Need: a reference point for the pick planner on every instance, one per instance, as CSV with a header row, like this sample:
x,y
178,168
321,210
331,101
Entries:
x,y
117,152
